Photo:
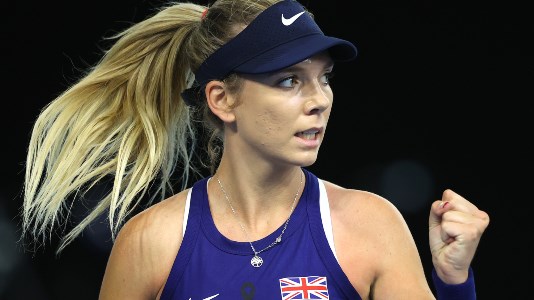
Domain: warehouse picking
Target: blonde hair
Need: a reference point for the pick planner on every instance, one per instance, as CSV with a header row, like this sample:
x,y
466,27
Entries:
x,y
125,120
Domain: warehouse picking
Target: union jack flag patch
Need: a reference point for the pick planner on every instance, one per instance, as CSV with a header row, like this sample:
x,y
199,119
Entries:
x,y
310,287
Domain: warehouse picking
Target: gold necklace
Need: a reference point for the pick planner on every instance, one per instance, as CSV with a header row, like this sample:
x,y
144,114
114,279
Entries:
x,y
257,261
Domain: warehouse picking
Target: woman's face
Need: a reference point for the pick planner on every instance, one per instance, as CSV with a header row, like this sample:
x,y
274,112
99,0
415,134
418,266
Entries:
x,y
282,116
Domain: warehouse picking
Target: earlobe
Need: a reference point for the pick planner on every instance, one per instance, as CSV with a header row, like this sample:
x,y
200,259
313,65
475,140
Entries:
x,y
219,101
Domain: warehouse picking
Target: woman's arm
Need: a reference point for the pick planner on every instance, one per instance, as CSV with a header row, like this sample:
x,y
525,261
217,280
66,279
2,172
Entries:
x,y
143,252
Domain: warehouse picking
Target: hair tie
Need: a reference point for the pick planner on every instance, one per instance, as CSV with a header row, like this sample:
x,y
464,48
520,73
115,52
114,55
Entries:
x,y
204,13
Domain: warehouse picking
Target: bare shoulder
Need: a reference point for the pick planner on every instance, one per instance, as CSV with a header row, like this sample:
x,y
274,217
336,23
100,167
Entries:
x,y
367,206
364,220
158,229
159,221
144,251
374,245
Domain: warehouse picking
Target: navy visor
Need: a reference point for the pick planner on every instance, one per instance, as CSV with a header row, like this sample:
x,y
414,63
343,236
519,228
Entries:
x,y
279,37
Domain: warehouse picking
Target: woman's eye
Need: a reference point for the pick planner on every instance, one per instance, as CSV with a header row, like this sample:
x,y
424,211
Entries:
x,y
288,82
327,77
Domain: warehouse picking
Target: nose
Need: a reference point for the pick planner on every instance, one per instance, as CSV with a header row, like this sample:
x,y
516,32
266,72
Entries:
x,y
319,97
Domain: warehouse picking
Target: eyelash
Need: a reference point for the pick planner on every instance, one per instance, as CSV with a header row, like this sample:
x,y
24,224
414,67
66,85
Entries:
x,y
328,75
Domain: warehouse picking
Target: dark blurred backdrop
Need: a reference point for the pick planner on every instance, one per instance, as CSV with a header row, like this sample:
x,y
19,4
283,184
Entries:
x,y
438,98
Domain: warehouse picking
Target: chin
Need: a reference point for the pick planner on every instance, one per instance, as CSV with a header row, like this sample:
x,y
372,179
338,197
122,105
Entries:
x,y
308,161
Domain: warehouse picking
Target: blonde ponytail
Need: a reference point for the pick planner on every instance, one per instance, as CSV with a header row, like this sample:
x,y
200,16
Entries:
x,y
124,119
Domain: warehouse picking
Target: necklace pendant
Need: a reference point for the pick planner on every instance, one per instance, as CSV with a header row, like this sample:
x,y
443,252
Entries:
x,y
256,261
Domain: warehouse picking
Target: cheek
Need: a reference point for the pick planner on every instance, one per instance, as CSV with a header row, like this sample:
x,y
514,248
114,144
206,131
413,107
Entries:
x,y
269,122
327,112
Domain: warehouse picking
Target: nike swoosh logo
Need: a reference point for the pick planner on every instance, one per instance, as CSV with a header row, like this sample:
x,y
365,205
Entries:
x,y
290,21
209,298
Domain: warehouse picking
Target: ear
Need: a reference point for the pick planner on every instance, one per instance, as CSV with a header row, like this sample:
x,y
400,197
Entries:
x,y
219,101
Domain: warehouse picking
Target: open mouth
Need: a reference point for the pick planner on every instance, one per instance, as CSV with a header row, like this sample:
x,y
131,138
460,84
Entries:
x,y
308,134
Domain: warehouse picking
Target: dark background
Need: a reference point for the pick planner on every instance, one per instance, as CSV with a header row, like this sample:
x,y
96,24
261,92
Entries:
x,y
439,97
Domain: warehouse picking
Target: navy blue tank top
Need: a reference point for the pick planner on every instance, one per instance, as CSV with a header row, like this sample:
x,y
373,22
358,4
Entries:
x,y
303,266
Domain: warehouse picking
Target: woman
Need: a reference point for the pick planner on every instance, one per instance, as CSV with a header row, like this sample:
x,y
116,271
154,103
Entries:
x,y
260,226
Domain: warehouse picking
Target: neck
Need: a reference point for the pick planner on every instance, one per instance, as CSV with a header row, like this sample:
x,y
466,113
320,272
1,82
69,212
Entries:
x,y
260,206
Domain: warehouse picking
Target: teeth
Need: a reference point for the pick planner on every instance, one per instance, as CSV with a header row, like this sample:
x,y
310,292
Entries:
x,y
308,135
